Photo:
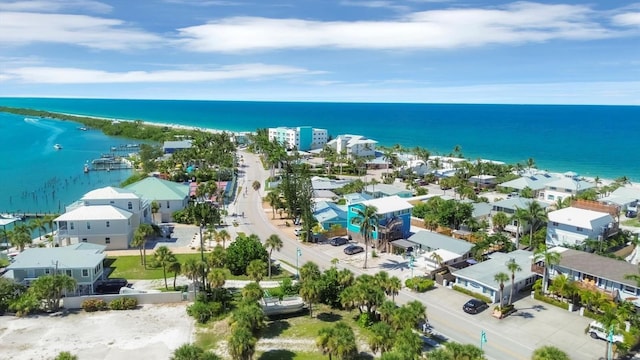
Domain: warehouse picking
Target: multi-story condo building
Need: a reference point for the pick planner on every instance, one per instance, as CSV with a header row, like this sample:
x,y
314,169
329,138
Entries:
x,y
303,138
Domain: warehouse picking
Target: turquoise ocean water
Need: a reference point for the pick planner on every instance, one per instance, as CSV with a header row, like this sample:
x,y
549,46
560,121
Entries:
x,y
590,140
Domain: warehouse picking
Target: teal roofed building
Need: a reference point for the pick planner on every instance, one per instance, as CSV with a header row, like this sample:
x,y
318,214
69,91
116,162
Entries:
x,y
329,214
169,195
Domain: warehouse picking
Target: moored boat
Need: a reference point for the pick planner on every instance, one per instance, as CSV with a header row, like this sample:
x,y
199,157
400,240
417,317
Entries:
x,y
57,146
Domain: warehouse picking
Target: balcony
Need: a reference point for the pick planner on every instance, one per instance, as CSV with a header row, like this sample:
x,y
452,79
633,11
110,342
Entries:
x,y
537,269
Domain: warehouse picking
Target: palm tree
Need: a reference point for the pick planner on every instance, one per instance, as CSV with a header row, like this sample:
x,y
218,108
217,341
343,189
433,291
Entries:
x,y
252,292
146,231
453,351
367,220
549,353
500,278
338,341
310,292
176,268
393,287
224,236
273,198
500,220
217,257
138,241
513,267
519,217
386,310
381,338
273,242
256,269
39,224
190,270
535,216
216,278
436,258
193,352
163,257
309,271
242,343
20,237
549,258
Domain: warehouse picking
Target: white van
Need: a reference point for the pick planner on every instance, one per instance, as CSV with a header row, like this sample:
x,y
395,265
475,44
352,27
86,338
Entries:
x,y
597,331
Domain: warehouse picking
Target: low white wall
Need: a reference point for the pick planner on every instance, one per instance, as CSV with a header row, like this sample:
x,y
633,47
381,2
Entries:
x,y
75,302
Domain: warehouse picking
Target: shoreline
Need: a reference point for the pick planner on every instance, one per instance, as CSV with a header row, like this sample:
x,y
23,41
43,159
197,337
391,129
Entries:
x,y
605,180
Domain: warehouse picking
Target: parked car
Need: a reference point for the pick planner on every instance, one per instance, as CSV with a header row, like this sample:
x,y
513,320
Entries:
x,y
597,331
297,231
111,286
353,249
631,213
338,241
474,306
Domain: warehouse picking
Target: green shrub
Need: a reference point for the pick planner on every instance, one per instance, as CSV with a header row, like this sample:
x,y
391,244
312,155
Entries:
x,y
205,311
548,300
419,284
364,320
474,294
91,305
123,303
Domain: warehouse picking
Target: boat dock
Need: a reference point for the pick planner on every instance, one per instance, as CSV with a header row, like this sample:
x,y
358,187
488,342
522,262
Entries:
x,y
110,162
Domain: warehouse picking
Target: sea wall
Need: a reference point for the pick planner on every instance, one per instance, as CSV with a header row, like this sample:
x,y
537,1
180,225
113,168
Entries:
x,y
75,302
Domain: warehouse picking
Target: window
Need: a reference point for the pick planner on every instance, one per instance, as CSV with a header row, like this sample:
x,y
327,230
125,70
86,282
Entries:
x,y
88,225
555,223
47,271
68,273
579,229
85,273
71,225
167,204
84,239
129,205
107,240
108,223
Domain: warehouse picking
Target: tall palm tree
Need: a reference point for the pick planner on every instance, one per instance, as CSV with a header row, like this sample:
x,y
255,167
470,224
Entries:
x,y
309,271
453,350
513,267
163,257
273,242
310,291
500,220
273,198
500,278
394,287
39,224
252,292
146,231
367,220
519,216
217,257
338,340
256,269
176,268
190,270
138,241
549,258
536,215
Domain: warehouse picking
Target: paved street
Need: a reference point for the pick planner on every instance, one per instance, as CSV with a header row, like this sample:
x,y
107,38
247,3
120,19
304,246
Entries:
x,y
515,337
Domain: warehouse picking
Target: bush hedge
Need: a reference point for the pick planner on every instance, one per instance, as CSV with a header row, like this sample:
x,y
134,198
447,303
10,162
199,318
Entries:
x,y
123,303
474,294
419,284
204,311
548,300
92,305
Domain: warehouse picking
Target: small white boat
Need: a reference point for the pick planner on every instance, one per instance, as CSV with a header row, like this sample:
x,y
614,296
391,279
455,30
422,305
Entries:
x,y
57,146
288,305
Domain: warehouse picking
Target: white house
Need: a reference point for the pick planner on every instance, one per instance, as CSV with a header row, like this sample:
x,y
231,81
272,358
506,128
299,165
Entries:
x,y
97,224
120,198
434,250
170,196
572,226
303,138
353,145
565,187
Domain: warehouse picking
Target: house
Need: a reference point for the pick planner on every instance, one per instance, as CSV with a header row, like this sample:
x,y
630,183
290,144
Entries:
x,y
323,183
303,138
324,195
382,190
434,250
563,187
170,196
120,198
509,207
417,167
594,272
353,145
329,214
97,224
394,216
572,226
83,262
624,197
483,181
355,198
479,278
170,147
536,182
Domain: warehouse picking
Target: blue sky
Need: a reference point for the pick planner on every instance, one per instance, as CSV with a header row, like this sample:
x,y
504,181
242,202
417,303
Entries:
x,y
431,51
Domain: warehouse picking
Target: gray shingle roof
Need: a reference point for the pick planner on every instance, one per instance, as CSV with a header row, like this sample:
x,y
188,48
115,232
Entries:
x,y
596,265
485,271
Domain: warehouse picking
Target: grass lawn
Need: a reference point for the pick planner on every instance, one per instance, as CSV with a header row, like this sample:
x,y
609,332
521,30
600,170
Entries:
x,y
631,222
303,326
129,267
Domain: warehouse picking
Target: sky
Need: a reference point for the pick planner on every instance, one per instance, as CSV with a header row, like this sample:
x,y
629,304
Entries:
x,y
424,51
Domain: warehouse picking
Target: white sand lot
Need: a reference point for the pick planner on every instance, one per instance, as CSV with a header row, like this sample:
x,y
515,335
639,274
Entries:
x,y
150,332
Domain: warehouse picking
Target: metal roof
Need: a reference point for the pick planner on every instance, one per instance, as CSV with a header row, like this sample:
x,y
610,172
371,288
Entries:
x,y
433,240
81,255
484,272
152,188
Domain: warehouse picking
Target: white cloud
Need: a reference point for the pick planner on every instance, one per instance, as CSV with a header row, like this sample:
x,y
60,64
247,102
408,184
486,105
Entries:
x,y
54,5
19,28
60,75
627,19
445,29
204,2
375,4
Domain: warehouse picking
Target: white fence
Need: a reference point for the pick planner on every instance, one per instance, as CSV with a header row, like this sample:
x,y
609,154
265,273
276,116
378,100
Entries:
x,y
145,298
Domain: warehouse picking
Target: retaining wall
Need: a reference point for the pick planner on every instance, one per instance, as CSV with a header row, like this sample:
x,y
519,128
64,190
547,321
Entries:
x,y
75,302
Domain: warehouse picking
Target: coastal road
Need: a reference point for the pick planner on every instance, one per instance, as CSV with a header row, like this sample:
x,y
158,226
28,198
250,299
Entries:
x,y
513,338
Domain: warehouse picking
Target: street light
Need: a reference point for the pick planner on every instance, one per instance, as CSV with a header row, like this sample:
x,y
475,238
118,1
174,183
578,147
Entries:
x,y
483,338
298,254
